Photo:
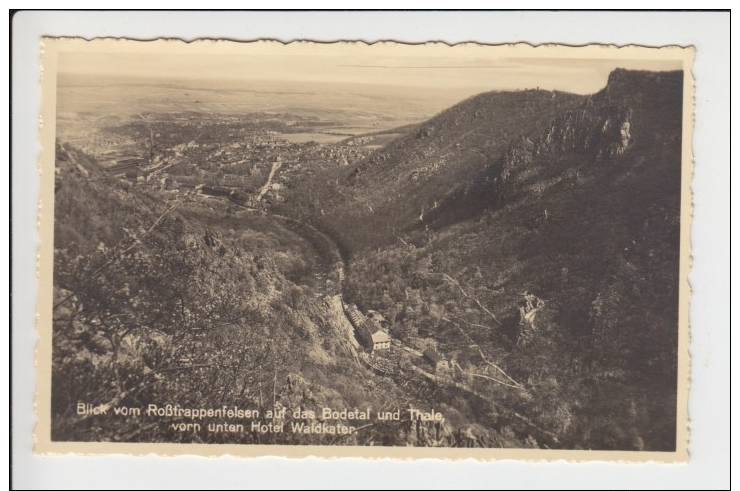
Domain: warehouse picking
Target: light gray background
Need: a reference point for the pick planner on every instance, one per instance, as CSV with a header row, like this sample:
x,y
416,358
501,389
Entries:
x,y
710,279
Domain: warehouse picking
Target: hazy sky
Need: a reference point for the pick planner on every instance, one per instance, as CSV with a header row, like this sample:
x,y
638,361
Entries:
x,y
464,67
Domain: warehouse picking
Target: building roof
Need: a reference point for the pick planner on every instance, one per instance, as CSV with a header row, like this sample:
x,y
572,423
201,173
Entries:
x,y
380,336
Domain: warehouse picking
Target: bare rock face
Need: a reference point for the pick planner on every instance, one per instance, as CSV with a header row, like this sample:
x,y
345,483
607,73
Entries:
x,y
443,434
529,306
617,133
342,327
596,131
624,138
602,130
427,434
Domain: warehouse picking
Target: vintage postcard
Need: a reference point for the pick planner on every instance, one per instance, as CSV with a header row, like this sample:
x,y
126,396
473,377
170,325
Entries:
x,y
352,249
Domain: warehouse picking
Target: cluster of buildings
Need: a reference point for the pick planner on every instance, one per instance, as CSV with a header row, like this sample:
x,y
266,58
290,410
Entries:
x,y
371,330
372,333
224,150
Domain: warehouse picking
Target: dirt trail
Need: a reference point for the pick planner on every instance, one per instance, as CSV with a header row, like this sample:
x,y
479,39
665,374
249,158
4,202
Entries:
x,y
266,187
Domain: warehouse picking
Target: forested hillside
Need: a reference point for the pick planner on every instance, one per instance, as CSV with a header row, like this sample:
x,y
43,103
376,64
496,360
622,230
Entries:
x,y
170,303
559,258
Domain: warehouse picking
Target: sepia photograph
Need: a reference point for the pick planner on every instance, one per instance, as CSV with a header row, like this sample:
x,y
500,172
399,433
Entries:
x,y
260,247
